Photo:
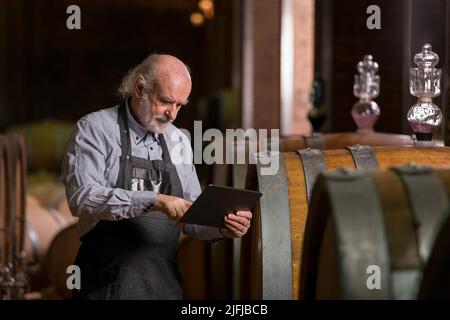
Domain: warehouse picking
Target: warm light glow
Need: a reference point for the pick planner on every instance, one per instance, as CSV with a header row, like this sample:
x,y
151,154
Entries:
x,y
197,19
207,7
209,14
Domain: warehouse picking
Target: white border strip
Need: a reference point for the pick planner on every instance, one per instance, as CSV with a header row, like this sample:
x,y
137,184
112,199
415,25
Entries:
x,y
287,67
247,66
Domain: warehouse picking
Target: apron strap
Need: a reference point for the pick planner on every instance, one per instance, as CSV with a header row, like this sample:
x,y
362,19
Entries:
x,y
177,188
165,150
125,172
124,130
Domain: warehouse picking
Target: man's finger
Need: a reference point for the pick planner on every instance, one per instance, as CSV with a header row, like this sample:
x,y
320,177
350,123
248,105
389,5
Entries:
x,y
172,213
242,220
245,214
235,233
180,211
187,205
236,225
232,230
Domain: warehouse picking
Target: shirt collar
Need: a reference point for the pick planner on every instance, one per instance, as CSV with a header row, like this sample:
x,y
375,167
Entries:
x,y
139,133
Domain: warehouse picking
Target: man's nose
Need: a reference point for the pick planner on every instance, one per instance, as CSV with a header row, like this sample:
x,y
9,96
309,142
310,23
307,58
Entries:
x,y
171,112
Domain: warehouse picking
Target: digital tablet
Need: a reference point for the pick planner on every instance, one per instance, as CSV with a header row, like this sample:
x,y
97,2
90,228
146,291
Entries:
x,y
215,202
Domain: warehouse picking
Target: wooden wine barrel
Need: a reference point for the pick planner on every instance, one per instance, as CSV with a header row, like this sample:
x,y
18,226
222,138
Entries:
x,y
344,139
42,225
46,143
60,255
326,141
50,194
235,175
370,235
271,251
191,258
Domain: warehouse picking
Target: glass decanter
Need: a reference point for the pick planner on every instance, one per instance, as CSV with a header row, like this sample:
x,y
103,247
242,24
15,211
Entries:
x,y
366,87
424,117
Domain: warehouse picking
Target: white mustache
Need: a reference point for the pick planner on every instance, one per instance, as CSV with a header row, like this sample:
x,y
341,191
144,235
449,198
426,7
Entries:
x,y
163,118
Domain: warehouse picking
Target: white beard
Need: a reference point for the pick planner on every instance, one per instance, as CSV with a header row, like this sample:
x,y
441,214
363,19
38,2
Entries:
x,y
158,126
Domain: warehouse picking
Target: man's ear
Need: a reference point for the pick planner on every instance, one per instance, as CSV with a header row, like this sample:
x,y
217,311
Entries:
x,y
139,86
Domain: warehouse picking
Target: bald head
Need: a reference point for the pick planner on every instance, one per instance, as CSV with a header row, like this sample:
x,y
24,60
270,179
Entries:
x,y
166,65
154,69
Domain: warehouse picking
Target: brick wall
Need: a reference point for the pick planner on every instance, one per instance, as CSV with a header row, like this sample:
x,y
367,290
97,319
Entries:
x,y
303,63
266,40
267,24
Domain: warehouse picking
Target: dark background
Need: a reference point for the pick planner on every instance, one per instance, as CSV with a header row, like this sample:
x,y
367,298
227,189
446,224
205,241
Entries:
x,y
48,72
53,72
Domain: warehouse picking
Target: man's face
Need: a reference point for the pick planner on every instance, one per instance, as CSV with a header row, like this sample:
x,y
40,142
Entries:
x,y
159,106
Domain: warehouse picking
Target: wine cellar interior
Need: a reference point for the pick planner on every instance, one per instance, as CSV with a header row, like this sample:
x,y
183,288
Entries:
x,y
350,99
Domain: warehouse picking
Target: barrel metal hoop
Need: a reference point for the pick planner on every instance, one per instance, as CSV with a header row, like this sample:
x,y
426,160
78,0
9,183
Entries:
x,y
275,234
363,157
316,141
430,205
34,239
56,216
361,236
313,164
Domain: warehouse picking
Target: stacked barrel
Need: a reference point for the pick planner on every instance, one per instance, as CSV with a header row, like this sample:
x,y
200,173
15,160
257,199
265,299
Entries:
x,y
287,252
33,210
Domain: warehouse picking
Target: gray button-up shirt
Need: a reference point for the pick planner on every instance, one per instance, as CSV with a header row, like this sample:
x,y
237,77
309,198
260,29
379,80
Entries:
x,y
91,167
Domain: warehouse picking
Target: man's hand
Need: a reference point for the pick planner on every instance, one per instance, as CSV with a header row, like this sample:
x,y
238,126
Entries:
x,y
174,207
237,224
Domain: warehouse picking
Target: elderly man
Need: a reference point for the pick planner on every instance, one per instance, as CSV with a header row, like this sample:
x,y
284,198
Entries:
x,y
129,194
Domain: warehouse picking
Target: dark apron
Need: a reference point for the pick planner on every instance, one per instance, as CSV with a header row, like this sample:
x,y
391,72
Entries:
x,y
134,258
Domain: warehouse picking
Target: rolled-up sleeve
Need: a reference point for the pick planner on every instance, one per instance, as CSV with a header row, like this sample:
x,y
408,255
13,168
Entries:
x,y
83,173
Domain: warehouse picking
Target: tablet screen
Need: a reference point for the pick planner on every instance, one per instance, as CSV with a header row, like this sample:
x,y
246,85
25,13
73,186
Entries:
x,y
215,202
